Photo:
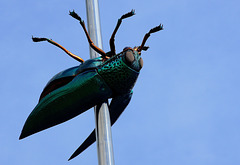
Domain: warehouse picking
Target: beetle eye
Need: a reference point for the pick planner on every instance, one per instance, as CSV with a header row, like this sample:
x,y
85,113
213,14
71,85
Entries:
x,y
129,57
141,62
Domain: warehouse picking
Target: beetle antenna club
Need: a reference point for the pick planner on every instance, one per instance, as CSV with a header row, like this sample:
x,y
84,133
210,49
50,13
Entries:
x,y
153,30
36,39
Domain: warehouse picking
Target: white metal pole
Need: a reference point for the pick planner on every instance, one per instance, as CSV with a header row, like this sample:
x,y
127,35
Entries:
x,y
102,118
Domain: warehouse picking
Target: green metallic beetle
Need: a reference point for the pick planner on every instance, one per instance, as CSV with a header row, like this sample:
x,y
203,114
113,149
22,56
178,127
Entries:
x,y
77,89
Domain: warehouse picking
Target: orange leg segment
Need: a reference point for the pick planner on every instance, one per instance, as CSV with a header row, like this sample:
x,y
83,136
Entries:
x,y
92,45
35,39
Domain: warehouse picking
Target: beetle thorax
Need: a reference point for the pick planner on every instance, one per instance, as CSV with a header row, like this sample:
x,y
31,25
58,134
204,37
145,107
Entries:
x,y
118,75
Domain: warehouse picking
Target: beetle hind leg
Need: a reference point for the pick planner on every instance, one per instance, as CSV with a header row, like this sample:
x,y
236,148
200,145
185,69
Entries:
x,y
36,39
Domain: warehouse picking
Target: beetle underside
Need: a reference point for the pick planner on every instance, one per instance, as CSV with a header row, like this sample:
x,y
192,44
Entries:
x,y
77,89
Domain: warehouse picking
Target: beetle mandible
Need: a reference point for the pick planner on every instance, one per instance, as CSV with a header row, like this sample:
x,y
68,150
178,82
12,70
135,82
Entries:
x,y
77,89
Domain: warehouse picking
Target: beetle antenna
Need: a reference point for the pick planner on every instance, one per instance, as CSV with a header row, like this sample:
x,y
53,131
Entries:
x,y
153,30
36,39
112,39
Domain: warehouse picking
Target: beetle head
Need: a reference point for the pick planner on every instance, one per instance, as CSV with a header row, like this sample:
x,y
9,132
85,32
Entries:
x,y
133,58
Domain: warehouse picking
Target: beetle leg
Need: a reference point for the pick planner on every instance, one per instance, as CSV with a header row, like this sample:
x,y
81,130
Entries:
x,y
112,39
97,49
117,106
153,30
35,39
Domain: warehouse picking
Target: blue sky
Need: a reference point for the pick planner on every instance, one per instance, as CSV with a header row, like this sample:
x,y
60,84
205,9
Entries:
x,y
185,109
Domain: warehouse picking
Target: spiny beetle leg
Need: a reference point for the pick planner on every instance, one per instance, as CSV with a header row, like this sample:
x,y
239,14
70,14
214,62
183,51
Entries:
x,y
75,15
112,39
36,39
157,28
153,30
129,14
97,49
145,48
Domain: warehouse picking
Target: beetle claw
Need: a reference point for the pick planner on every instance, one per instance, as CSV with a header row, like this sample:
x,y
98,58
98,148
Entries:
x,y
75,15
145,48
157,28
37,39
133,11
129,14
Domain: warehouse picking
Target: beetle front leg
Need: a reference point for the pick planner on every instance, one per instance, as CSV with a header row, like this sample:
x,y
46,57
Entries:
x,y
36,39
112,39
97,49
153,30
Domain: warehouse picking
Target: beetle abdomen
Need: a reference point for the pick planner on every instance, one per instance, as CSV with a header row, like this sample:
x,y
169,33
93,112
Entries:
x,y
59,80
83,92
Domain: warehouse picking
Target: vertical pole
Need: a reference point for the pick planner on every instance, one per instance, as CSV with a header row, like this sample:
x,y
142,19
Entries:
x,y
102,117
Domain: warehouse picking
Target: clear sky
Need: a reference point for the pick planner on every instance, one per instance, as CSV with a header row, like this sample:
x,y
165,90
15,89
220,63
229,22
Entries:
x,y
185,109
